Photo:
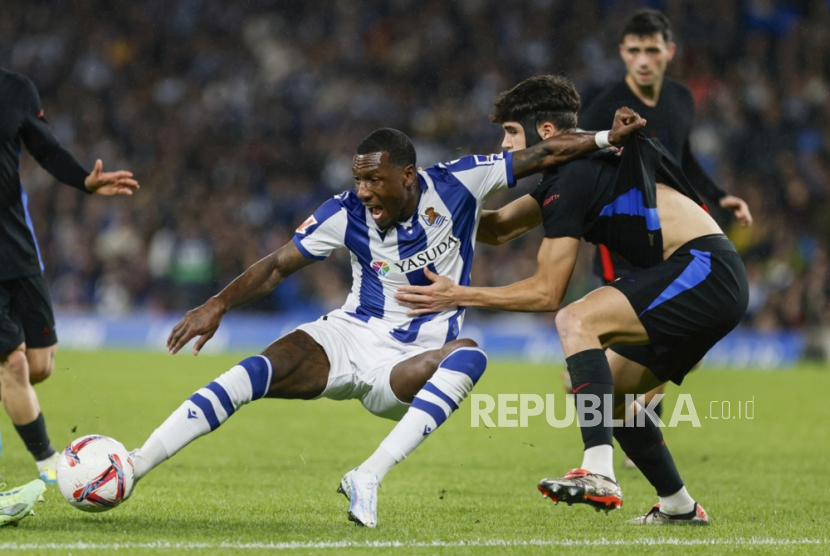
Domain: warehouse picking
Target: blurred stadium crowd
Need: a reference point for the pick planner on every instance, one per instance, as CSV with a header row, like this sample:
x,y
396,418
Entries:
x,y
240,118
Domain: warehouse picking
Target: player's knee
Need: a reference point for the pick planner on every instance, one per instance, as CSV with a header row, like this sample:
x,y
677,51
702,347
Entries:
x,y
569,322
299,367
450,347
41,370
15,367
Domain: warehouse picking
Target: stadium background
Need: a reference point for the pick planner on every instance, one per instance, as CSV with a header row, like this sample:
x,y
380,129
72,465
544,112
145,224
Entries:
x,y
240,118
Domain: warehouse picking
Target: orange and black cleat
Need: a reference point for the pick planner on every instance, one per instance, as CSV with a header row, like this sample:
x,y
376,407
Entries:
x,y
580,486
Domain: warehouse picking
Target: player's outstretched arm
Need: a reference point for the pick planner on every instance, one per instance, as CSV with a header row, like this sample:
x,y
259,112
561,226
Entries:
x,y
509,222
120,182
566,146
258,280
541,292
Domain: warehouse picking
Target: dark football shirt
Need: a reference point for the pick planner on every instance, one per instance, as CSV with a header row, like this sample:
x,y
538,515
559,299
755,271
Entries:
x,y
612,200
670,122
22,121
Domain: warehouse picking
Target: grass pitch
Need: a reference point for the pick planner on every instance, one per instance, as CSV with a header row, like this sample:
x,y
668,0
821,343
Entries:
x,y
265,481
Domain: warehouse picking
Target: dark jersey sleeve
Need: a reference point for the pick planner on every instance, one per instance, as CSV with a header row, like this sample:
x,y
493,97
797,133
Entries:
x,y
564,196
44,146
698,177
693,170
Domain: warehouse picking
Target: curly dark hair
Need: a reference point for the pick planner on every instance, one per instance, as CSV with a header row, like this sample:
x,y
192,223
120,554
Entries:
x,y
552,98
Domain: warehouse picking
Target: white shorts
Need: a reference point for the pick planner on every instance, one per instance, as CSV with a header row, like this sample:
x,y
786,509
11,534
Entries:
x,y
362,357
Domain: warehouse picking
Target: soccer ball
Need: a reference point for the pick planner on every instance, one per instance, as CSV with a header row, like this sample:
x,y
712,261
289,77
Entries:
x,y
95,473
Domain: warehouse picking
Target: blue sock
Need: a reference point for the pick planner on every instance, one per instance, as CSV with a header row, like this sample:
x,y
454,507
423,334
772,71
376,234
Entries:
x,y
440,396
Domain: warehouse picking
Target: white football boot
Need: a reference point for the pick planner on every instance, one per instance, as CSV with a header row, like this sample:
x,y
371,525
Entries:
x,y
361,489
656,517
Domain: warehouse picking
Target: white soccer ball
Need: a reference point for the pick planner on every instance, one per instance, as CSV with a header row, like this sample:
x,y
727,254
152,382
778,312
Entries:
x,y
95,473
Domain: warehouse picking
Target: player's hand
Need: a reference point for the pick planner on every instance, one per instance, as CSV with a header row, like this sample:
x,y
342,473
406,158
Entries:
x,y
110,183
202,321
626,122
423,300
739,208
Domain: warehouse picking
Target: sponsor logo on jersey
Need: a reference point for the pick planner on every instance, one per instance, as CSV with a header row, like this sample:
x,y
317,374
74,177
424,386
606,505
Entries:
x,y
433,218
422,259
550,199
381,267
309,222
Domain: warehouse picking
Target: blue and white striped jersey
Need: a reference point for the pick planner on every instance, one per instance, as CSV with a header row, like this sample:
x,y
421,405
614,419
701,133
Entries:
x,y
440,235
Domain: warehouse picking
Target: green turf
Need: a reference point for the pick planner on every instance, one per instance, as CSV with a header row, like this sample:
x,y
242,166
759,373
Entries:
x,y
268,476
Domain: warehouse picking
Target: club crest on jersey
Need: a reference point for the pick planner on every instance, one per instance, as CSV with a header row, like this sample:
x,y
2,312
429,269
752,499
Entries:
x,y
381,267
310,221
433,218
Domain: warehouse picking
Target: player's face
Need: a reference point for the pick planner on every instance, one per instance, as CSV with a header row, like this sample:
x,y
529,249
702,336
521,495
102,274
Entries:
x,y
388,191
514,137
646,58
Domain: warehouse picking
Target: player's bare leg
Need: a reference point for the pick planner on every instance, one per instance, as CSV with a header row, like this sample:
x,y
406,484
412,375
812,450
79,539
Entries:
x,y
642,441
19,398
293,367
21,404
435,383
603,317
41,363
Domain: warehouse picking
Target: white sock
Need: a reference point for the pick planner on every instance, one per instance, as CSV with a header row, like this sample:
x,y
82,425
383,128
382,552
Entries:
x,y
678,503
379,463
600,460
440,396
204,411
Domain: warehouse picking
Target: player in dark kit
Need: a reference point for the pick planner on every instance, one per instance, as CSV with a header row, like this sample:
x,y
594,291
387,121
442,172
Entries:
x,y
28,341
646,47
688,291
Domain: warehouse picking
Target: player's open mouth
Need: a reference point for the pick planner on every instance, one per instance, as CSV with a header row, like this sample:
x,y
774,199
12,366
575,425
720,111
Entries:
x,y
376,212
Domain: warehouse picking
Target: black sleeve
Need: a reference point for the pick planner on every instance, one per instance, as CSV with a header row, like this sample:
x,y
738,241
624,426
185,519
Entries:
x,y
564,197
44,146
699,179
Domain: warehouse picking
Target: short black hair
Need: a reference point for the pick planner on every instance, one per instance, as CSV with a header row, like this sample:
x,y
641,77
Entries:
x,y
396,143
551,98
646,22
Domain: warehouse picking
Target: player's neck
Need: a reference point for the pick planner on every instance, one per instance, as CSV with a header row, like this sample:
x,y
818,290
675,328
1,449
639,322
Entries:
x,y
648,95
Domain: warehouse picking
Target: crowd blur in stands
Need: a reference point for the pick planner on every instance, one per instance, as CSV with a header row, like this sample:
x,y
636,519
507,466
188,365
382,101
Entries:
x,y
240,118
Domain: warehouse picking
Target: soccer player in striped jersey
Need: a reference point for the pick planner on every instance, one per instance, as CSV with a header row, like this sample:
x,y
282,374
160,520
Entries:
x,y
396,222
